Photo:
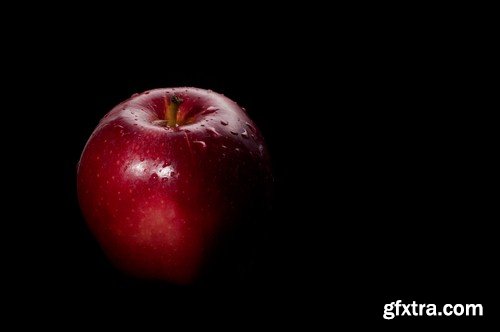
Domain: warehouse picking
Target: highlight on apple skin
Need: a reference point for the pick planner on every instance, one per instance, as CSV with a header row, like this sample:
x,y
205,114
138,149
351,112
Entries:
x,y
173,183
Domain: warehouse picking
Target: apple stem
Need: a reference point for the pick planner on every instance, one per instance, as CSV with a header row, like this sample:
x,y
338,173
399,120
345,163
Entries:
x,y
171,110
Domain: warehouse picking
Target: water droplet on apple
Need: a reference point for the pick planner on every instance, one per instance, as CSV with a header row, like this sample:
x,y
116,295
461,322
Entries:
x,y
209,110
147,92
224,147
244,109
244,134
224,123
212,131
252,128
166,163
233,132
237,149
202,143
154,176
135,95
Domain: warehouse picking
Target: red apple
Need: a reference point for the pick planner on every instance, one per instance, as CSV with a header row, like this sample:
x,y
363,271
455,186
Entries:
x,y
166,178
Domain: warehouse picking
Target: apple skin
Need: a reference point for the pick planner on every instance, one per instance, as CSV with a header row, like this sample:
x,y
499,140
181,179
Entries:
x,y
161,201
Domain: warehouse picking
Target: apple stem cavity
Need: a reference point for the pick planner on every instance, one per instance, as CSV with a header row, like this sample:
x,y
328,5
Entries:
x,y
171,110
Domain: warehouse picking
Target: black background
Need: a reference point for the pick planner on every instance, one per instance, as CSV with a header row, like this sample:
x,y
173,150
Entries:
x,y
382,148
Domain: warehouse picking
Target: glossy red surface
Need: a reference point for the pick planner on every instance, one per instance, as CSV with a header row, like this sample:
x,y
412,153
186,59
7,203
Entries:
x,y
160,199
